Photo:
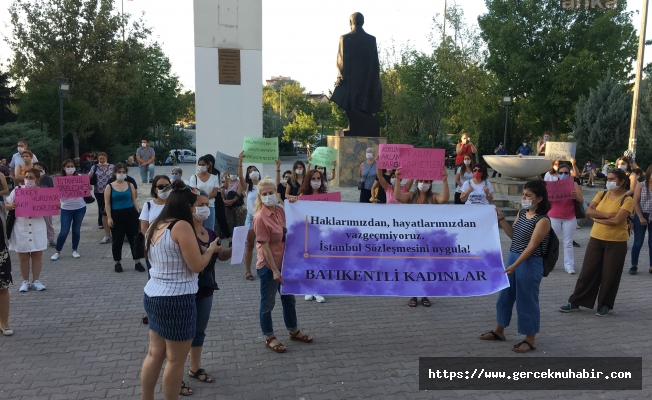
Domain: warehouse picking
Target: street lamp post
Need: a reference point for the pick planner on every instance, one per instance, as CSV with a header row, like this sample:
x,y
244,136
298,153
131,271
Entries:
x,y
507,102
64,88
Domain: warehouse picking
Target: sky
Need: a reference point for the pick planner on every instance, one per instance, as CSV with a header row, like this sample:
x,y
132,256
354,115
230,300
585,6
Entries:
x,y
300,37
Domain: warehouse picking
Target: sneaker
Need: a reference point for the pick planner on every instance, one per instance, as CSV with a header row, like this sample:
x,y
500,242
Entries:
x,y
571,271
54,257
633,270
105,240
603,311
309,297
6,331
575,244
75,254
568,307
118,267
24,287
140,268
101,227
38,285
320,299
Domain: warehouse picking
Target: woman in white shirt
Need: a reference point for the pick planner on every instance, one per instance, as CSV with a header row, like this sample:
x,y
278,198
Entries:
x,y
153,208
464,173
72,213
208,183
28,237
477,190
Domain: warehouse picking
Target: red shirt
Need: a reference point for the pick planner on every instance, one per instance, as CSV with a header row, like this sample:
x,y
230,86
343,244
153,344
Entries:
x,y
84,157
466,149
268,227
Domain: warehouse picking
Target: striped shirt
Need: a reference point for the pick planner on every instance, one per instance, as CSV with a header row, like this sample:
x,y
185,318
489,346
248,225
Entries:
x,y
646,198
523,229
170,275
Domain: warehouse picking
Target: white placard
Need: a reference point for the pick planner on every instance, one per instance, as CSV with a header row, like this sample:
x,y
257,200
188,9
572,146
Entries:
x,y
238,244
560,150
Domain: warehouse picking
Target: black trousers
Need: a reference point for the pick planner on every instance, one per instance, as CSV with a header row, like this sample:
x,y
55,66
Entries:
x,y
125,222
220,217
100,206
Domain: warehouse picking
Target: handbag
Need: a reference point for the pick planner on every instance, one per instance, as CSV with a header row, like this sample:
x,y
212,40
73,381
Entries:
x,y
139,245
231,195
89,199
579,210
360,185
11,220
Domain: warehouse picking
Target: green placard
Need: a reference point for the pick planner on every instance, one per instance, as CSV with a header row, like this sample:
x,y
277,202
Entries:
x,y
260,150
324,157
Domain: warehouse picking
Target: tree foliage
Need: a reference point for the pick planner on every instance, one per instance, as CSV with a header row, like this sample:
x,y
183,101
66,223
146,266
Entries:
x,y
38,141
7,99
303,129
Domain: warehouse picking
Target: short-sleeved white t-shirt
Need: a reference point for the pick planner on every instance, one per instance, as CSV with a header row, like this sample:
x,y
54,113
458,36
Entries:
x,y
477,196
208,186
150,211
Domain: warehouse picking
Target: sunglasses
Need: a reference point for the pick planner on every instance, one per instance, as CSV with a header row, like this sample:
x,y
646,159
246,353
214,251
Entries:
x,y
161,187
477,170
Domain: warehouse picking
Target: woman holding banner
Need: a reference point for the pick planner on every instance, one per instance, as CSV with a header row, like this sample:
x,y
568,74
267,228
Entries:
x,y
270,230
423,194
464,173
562,215
388,187
367,174
530,234
477,190
72,213
28,237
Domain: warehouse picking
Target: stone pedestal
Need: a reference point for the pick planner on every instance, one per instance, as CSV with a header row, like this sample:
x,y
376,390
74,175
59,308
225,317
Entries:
x,y
350,154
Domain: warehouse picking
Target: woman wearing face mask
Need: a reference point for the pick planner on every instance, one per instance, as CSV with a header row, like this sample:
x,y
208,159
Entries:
x,y
269,228
103,172
46,181
28,237
72,213
464,173
605,254
388,187
209,183
642,211
220,210
296,179
27,164
625,164
122,215
324,171
423,194
562,216
478,190
153,208
177,173
530,234
367,174
236,212
280,189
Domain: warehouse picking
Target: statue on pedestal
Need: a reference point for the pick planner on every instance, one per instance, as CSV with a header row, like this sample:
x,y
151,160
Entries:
x,y
358,90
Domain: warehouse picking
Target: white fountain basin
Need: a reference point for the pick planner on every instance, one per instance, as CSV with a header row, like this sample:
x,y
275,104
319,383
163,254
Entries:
x,y
518,167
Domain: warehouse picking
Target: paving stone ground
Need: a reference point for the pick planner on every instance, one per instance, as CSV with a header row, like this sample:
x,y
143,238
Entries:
x,y
82,338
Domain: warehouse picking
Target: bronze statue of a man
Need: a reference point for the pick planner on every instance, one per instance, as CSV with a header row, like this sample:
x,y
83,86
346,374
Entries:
x,y
358,90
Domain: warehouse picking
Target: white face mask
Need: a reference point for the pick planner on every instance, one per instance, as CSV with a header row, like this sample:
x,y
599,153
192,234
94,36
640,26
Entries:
x,y
42,173
298,171
369,156
202,168
143,145
163,195
611,186
70,171
467,162
103,163
392,181
321,170
202,213
623,167
555,167
254,175
269,200
20,149
121,177
526,204
30,183
315,185
423,187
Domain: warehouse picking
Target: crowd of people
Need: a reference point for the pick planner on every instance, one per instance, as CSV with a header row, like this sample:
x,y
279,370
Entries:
x,y
187,226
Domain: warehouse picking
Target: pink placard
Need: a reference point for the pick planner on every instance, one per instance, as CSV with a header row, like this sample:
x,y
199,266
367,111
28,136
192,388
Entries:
x,y
388,155
561,189
422,164
37,202
335,197
73,186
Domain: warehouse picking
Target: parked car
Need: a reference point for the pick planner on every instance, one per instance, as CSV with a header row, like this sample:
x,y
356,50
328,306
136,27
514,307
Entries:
x,y
302,149
189,126
189,156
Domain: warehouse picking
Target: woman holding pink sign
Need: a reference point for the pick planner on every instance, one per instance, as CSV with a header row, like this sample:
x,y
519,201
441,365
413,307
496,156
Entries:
x,y
28,237
72,213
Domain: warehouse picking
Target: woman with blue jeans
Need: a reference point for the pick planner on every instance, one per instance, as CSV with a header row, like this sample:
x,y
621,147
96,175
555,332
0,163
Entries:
x,y
270,230
530,234
72,213
642,209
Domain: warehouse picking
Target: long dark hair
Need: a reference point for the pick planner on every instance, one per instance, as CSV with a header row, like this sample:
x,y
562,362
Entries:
x,y
483,171
627,161
155,183
307,189
417,192
63,165
552,171
177,208
648,176
293,176
120,166
209,159
538,187
250,183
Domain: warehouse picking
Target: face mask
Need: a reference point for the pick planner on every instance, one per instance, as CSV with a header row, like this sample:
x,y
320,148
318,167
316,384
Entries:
x,y
545,139
202,168
202,213
555,167
42,173
321,170
315,185
70,171
524,144
269,200
30,182
298,171
477,175
467,162
392,181
254,176
563,176
20,149
610,186
369,156
143,145
121,177
526,204
175,177
163,195
623,167
103,163
423,187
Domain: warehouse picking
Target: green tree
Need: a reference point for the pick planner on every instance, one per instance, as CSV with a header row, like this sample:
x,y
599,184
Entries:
x,y
303,129
553,56
602,119
187,106
7,99
39,142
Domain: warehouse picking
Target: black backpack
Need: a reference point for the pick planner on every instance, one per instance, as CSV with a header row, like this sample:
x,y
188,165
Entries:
x,y
551,254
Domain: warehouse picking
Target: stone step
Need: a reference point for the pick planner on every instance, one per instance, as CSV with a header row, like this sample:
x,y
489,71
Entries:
x,y
508,211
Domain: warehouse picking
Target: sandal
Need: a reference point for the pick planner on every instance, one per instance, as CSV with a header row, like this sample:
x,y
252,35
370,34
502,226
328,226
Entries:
x,y
185,390
425,302
304,338
517,347
494,336
201,375
248,276
650,270
412,302
279,348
